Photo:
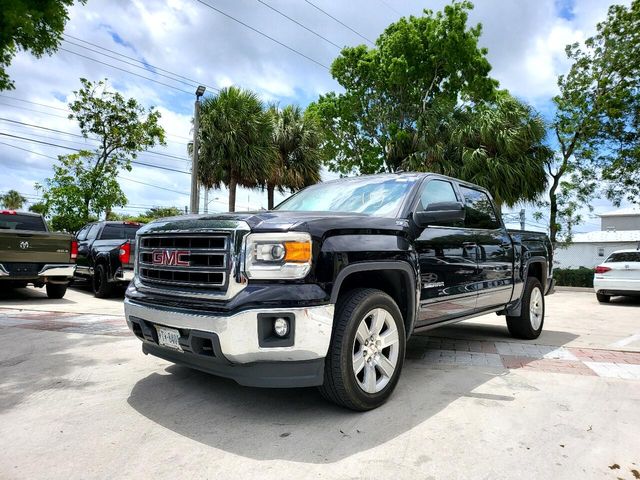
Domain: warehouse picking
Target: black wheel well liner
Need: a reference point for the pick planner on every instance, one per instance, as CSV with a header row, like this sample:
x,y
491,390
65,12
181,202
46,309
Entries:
x,y
396,279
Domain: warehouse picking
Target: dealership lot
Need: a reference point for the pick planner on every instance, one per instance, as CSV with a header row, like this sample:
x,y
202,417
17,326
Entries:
x,y
78,396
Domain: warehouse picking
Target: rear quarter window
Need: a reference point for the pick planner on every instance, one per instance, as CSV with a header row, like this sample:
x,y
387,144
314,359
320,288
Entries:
x,y
623,257
117,232
22,222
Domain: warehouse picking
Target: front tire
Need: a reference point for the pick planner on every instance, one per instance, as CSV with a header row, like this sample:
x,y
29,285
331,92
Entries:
x,y
101,285
56,290
367,349
528,325
602,298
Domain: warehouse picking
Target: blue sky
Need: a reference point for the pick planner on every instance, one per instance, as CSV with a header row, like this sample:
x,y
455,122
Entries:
x,y
170,38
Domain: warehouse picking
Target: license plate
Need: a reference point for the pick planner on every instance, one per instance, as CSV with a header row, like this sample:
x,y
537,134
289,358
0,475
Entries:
x,y
169,337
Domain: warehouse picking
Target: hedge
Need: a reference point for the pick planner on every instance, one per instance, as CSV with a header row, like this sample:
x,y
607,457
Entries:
x,y
573,277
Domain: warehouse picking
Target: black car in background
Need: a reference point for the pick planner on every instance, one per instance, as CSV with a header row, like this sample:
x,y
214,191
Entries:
x,y
105,255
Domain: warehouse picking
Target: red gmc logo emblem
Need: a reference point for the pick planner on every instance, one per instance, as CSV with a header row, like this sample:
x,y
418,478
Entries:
x,y
171,257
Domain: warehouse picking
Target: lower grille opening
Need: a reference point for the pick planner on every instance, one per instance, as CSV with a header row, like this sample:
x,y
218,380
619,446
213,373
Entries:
x,y
184,277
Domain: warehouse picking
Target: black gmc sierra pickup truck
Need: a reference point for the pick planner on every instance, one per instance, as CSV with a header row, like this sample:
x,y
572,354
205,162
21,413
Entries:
x,y
326,288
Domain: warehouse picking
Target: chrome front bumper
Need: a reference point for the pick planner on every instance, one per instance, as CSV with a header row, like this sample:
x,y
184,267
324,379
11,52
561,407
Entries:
x,y
238,333
123,275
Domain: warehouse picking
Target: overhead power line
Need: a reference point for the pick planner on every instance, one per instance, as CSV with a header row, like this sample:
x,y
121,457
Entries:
x,y
31,125
27,150
339,21
125,70
135,162
298,23
260,32
64,110
155,67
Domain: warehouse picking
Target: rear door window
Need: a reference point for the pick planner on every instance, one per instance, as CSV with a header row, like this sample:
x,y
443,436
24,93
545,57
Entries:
x,y
17,221
479,212
624,257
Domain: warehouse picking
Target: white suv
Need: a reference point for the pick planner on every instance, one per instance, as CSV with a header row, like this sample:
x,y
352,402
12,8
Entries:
x,y
618,275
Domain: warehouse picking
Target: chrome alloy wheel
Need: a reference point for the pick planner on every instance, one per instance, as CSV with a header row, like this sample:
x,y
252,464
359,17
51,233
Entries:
x,y
536,308
375,350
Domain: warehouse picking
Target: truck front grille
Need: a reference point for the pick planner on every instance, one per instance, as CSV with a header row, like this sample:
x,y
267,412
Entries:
x,y
196,262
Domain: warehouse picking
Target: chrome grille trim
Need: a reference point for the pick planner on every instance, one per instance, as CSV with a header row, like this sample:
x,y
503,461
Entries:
x,y
234,279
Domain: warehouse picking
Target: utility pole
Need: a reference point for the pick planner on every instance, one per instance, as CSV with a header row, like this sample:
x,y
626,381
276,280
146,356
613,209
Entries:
x,y
522,219
195,192
205,208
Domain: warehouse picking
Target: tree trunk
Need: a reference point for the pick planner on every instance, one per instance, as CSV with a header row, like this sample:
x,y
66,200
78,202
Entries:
x,y
270,192
232,194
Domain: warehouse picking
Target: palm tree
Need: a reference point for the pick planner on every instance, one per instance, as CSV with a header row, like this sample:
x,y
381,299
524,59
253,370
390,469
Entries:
x,y
498,145
235,137
12,200
297,140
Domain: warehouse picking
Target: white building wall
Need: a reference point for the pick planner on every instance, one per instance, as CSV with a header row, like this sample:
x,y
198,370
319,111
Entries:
x,y
587,254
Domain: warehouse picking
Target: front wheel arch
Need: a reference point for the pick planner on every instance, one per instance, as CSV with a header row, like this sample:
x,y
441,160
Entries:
x,y
396,279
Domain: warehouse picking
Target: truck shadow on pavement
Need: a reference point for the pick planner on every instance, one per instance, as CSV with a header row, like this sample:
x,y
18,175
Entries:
x,y
298,424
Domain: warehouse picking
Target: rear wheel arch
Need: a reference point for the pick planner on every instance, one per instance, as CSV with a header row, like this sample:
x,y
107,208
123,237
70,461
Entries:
x,y
396,279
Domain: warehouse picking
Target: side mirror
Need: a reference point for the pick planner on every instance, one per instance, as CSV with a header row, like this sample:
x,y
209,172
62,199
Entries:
x,y
440,213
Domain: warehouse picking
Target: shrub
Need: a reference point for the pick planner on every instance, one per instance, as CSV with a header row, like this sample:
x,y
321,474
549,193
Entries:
x,y
574,277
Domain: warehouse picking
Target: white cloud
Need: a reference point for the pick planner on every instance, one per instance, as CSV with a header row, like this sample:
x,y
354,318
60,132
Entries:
x,y
525,39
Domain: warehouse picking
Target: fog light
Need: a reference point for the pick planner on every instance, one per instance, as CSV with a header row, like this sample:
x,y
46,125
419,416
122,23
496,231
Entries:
x,y
281,327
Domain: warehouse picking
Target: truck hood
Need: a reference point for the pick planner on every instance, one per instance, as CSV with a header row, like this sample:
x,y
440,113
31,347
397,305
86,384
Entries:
x,y
315,223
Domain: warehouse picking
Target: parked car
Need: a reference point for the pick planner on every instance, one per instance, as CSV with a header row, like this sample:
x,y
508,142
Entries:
x,y
105,255
30,254
326,289
619,274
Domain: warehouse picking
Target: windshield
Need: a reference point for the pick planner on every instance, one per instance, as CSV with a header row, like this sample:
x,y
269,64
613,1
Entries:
x,y
382,196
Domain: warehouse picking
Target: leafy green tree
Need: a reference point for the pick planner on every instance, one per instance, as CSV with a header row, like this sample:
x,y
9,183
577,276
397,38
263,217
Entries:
x,y
417,62
498,145
298,157
235,137
597,119
75,178
12,200
34,26
40,208
84,184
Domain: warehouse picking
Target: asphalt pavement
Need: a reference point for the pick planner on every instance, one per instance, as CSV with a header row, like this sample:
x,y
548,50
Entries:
x,y
78,399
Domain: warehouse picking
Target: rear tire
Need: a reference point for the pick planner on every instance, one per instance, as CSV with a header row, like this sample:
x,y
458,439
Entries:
x,y
101,286
367,349
602,298
56,290
528,325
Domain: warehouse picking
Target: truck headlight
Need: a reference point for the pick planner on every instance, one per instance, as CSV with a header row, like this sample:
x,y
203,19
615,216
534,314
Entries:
x,y
274,256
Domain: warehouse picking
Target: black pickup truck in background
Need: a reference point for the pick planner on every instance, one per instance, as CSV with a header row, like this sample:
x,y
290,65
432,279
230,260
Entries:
x,y
105,255
327,288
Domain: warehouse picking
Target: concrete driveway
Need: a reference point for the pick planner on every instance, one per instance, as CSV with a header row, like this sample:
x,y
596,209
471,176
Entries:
x,y
79,400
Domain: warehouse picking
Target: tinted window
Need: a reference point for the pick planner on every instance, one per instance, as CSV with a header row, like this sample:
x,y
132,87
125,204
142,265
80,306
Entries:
x,y
22,222
624,257
119,231
380,196
436,191
82,234
479,210
93,231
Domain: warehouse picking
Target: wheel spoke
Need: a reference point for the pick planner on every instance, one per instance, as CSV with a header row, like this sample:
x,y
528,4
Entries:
x,y
358,362
369,378
377,323
363,332
389,338
386,366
